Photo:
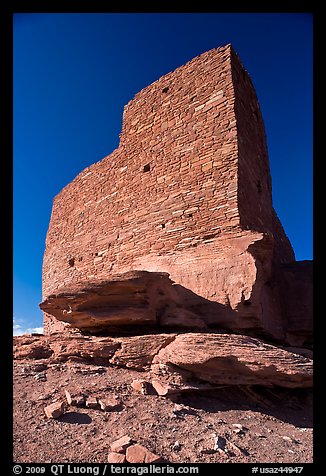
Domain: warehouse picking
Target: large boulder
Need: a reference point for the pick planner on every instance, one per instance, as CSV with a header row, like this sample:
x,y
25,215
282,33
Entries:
x,y
225,359
129,299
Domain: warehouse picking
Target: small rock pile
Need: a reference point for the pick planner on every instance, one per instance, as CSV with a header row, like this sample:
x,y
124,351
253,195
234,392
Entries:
x,y
75,399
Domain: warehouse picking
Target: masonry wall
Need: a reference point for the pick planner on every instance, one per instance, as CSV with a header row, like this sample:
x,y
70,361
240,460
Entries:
x,y
173,179
182,179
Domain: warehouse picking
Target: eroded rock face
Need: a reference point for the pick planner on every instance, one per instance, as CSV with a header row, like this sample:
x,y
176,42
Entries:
x,y
181,362
224,359
139,454
255,299
128,299
137,352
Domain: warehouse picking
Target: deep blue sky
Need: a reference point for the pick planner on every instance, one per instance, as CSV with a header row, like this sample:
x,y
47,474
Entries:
x,y
73,73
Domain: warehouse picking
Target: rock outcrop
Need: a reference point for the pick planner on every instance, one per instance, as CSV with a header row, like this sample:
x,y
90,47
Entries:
x,y
188,427
180,362
188,193
129,299
223,359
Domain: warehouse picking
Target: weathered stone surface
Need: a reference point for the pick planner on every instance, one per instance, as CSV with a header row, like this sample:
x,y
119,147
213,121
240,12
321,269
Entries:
x,y
183,318
75,398
175,360
141,386
225,359
117,458
168,381
137,352
93,349
139,454
91,402
132,298
185,363
55,410
200,208
31,348
120,445
110,403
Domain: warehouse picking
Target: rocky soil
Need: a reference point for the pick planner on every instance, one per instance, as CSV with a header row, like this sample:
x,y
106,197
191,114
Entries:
x,y
228,424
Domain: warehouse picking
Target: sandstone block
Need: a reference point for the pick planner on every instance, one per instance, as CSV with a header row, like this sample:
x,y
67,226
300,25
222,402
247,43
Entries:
x,y
110,403
139,454
55,410
137,352
130,298
117,458
120,445
163,388
91,402
74,398
141,386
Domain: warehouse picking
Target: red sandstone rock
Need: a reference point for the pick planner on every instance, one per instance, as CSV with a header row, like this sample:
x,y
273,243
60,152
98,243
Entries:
x,y
137,352
187,362
120,445
296,290
91,402
128,299
109,403
75,398
180,317
166,388
200,208
139,454
141,386
117,458
55,410
33,348
225,359
101,349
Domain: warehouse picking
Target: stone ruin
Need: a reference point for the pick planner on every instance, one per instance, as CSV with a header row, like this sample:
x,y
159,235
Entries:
x,y
175,230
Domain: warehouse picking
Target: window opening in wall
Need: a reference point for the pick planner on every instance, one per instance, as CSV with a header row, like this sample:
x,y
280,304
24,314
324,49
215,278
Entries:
x,y
165,90
71,262
146,168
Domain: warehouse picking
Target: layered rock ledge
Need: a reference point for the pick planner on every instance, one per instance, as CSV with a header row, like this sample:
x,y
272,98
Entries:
x,y
179,362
